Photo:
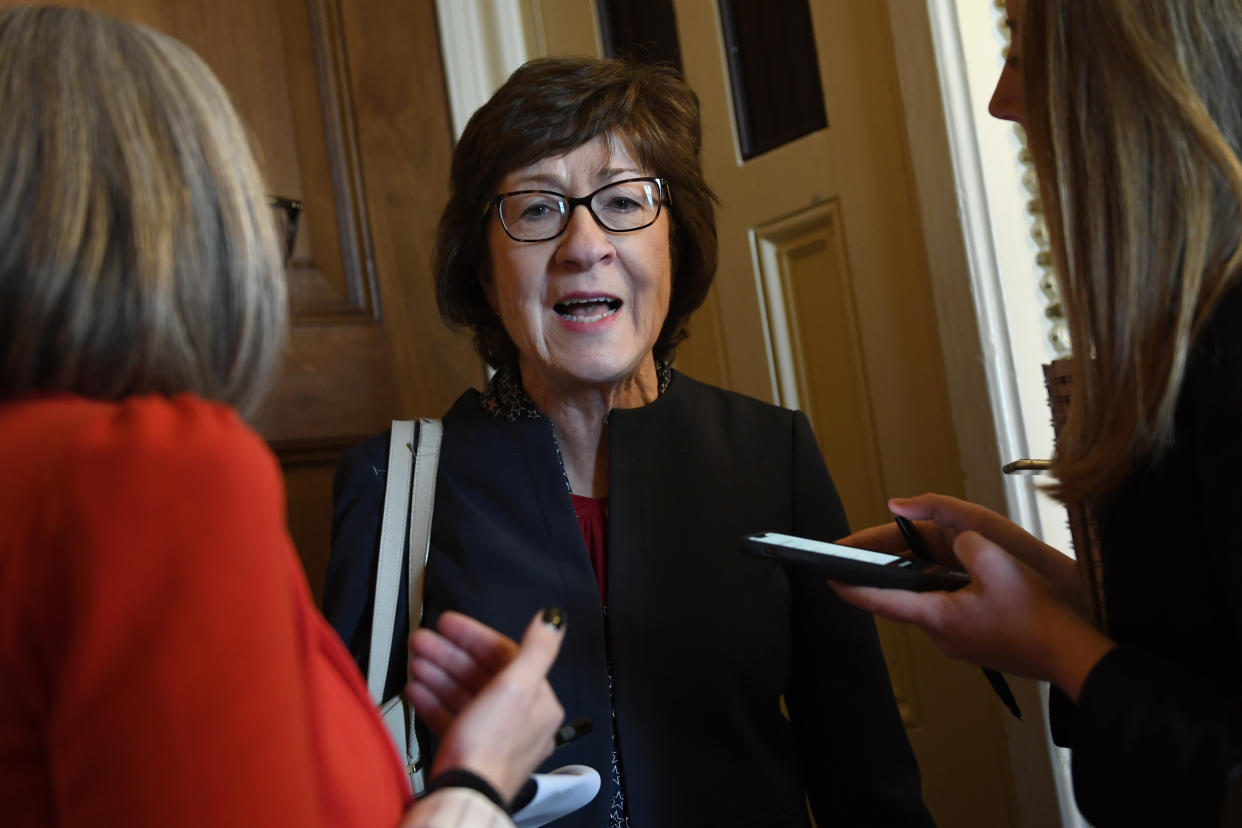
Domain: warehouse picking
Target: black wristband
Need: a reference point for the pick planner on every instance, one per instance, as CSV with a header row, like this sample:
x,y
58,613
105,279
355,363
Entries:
x,y
462,778
524,796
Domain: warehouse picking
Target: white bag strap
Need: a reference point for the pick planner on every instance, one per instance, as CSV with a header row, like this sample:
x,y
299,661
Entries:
x,y
406,446
388,570
422,502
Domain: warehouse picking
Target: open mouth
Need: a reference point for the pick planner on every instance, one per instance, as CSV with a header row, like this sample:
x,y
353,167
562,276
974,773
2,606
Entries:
x,y
587,309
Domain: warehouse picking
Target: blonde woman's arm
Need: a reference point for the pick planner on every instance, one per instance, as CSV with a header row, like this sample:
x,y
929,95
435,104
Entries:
x,y
941,518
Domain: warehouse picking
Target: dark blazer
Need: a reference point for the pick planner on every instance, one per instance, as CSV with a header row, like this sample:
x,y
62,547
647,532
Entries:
x,y
1157,731
703,641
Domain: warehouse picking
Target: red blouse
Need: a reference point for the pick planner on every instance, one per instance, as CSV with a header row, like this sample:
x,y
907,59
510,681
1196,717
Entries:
x,y
593,521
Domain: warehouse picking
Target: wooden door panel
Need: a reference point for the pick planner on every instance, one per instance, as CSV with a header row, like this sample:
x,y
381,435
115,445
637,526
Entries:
x,y
405,144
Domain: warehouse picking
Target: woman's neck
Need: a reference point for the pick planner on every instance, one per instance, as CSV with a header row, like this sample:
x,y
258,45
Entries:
x,y
579,412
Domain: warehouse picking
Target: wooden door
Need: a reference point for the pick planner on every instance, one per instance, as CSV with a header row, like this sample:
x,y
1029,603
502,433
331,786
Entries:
x,y
346,106
823,302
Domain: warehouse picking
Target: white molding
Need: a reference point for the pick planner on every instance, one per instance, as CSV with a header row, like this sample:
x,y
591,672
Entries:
x,y
984,272
770,242
481,43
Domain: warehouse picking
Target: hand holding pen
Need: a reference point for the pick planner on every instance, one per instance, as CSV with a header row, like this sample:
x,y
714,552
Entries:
x,y
919,550
1017,613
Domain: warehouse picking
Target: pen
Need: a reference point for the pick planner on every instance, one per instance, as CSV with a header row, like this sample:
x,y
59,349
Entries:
x,y
579,727
919,550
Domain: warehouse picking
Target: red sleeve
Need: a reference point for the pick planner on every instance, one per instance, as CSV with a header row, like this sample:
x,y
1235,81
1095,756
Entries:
x,y
194,684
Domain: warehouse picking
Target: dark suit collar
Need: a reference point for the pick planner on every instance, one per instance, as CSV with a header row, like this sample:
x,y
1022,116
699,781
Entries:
x,y
506,399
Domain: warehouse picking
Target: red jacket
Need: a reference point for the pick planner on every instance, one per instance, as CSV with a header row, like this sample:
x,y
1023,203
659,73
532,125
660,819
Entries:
x,y
161,660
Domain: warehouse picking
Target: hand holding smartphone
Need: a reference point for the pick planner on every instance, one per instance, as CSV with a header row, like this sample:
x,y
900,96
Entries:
x,y
864,567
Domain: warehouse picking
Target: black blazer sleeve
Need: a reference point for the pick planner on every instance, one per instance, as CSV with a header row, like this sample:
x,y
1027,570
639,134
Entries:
x,y
1158,725
349,587
860,770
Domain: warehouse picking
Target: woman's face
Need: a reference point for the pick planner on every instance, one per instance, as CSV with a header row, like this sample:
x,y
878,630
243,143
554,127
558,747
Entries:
x,y
584,308
1009,100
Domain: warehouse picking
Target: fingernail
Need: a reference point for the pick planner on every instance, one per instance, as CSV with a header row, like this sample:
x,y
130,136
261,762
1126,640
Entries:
x,y
573,730
554,617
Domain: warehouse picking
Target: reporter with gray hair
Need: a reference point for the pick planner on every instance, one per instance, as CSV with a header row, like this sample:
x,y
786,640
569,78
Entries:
x,y
163,661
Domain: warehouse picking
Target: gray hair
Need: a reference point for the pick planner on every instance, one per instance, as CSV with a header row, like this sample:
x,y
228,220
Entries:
x,y
137,250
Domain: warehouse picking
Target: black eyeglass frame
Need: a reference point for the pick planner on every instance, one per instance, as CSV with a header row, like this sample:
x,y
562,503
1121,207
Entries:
x,y
293,211
662,192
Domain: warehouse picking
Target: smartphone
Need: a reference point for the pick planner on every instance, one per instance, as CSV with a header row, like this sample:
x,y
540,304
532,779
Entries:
x,y
855,566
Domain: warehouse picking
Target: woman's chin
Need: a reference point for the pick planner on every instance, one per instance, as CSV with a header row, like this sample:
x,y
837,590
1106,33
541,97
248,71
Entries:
x,y
602,371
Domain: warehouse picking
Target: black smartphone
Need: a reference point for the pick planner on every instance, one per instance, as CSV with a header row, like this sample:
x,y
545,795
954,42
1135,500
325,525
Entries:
x,y
855,566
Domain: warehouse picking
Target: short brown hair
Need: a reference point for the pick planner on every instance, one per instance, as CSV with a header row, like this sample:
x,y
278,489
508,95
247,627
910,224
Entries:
x,y
549,107
137,250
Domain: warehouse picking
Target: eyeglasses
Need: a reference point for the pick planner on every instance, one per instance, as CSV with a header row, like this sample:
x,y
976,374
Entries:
x,y
290,209
619,207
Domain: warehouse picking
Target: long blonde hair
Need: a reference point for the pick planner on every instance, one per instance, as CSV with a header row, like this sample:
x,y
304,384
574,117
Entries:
x,y
1134,116
137,251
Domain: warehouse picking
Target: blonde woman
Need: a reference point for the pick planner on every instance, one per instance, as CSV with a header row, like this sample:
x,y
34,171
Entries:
x,y
1134,117
162,661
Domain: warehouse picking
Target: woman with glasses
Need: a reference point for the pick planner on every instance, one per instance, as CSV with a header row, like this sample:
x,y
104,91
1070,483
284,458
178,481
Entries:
x,y
578,239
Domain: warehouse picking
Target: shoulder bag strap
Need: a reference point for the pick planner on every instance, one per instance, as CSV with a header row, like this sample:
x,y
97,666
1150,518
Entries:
x,y
388,570
422,503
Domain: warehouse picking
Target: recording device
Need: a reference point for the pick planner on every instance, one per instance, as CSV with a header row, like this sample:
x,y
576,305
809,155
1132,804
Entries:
x,y
855,566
